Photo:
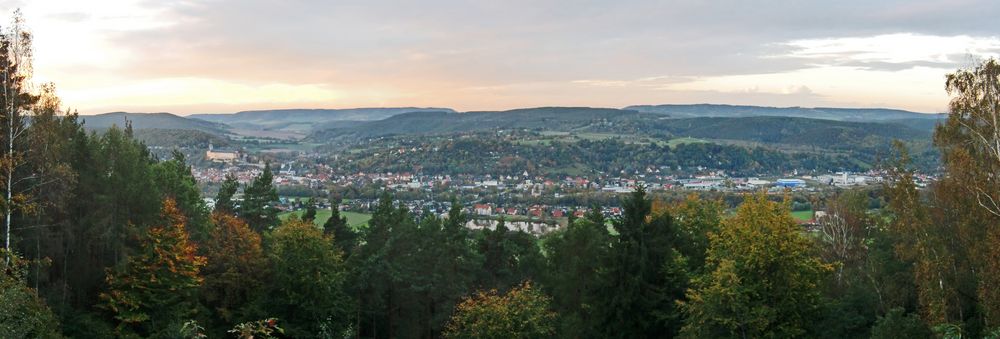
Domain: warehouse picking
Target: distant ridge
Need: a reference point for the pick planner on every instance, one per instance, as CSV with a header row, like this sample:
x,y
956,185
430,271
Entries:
x,y
306,120
826,113
142,121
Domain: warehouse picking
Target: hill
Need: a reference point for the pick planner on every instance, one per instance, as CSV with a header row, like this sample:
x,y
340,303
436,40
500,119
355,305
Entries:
x,y
306,119
142,121
545,118
827,113
183,138
765,129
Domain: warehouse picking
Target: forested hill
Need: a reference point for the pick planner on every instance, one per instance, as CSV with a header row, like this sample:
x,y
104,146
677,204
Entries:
x,y
306,119
142,121
785,130
546,118
827,113
565,119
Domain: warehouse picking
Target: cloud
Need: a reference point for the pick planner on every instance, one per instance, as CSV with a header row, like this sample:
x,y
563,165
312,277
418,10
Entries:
x,y
893,51
493,55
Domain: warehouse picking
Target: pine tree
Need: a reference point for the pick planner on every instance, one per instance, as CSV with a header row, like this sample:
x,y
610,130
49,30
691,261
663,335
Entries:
x,y
224,199
575,255
641,276
310,213
343,234
259,198
173,178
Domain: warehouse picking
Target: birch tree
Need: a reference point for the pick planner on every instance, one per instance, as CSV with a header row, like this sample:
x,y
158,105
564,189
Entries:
x,y
970,139
16,100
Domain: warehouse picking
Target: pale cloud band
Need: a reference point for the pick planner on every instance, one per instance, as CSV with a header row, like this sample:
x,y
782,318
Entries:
x,y
215,56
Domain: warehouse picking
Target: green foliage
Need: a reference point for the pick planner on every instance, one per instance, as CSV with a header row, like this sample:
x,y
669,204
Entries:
x,y
23,314
310,213
575,255
263,329
695,220
899,324
306,281
336,226
174,179
642,275
508,257
521,313
224,199
762,278
259,198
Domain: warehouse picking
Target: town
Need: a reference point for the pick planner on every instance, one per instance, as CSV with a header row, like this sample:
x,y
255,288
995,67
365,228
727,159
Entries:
x,y
533,203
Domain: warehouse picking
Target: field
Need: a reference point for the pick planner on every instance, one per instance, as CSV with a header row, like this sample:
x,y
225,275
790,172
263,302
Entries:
x,y
354,219
802,215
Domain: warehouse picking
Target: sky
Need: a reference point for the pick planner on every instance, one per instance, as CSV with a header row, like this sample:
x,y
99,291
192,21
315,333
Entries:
x,y
217,56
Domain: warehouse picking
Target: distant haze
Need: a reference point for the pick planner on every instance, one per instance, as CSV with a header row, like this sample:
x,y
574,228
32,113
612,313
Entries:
x,y
226,56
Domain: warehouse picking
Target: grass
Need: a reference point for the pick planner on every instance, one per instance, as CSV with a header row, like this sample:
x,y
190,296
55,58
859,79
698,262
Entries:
x,y
354,219
802,215
686,140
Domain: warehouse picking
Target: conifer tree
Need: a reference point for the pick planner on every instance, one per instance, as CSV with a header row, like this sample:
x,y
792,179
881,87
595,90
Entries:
x,y
224,199
310,213
259,198
336,226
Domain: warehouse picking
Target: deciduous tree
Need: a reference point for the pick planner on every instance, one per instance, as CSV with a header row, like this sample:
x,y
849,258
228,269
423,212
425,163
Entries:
x,y
523,312
157,287
762,278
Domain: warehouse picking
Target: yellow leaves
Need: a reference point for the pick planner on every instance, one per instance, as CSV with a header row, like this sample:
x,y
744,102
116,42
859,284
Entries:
x,y
762,278
521,313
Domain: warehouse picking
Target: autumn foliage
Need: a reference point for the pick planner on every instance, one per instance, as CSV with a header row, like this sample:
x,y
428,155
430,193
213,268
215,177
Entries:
x,y
521,313
160,282
235,269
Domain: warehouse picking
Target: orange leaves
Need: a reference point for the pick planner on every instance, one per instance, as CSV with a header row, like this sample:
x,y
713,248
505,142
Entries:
x,y
160,280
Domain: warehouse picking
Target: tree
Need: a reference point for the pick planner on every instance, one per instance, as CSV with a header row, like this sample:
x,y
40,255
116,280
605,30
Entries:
x,y
15,102
224,199
897,324
306,286
310,213
157,288
521,313
575,255
642,275
173,179
24,314
844,231
695,220
971,135
343,234
235,271
509,257
258,199
958,247
761,279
